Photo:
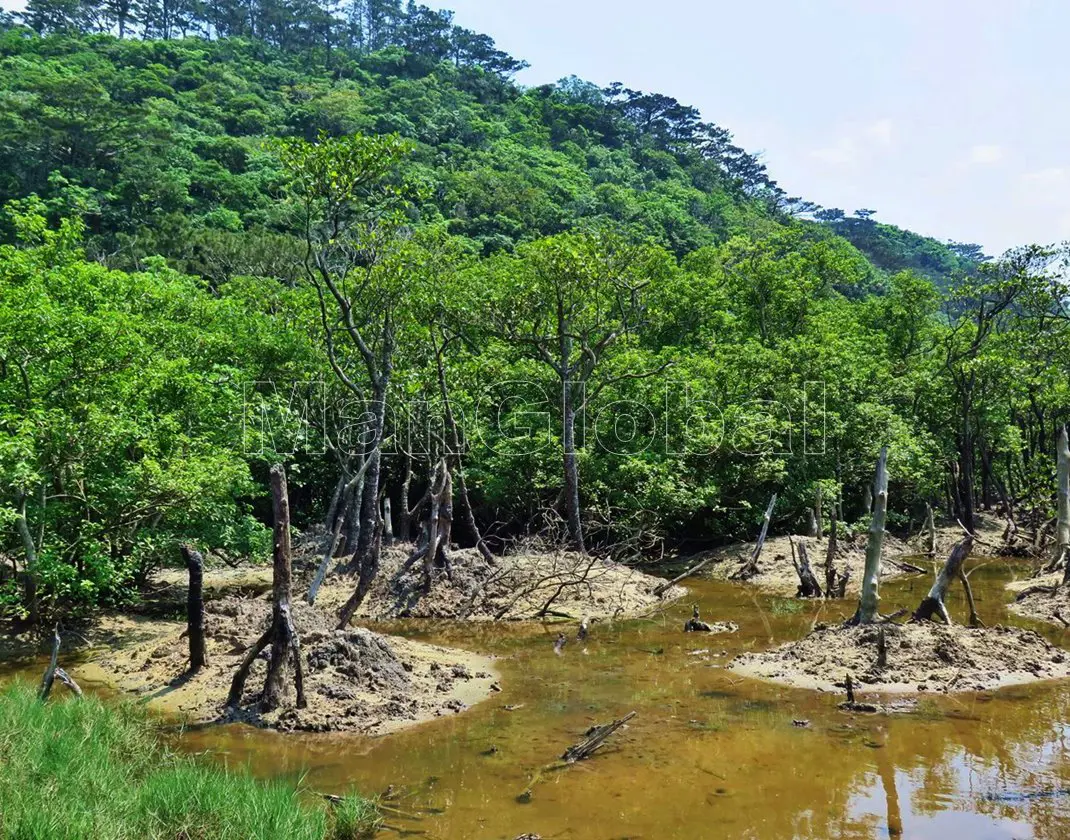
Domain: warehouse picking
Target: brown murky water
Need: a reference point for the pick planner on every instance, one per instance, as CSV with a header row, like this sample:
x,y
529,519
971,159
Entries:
x,y
709,755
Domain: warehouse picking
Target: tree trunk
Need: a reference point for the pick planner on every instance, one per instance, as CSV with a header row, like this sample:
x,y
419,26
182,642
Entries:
x,y
336,508
1062,532
198,655
751,567
369,519
808,585
404,531
30,568
830,554
455,442
818,513
572,471
867,605
284,644
388,523
348,509
50,672
933,603
930,532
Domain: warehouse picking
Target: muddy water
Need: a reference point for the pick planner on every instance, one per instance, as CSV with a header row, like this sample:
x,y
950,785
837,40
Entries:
x,y
709,755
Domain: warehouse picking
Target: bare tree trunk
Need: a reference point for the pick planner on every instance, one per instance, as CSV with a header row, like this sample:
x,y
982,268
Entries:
x,y
867,500
283,636
808,585
404,514
30,568
867,605
930,532
751,567
572,471
50,672
812,530
830,554
933,603
348,510
819,515
369,518
335,511
388,523
1062,542
198,655
455,442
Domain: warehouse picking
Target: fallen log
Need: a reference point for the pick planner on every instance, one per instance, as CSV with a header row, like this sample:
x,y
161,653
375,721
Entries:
x,y
594,738
661,589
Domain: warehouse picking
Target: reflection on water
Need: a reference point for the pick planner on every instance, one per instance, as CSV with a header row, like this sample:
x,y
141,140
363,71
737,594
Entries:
x,y
709,755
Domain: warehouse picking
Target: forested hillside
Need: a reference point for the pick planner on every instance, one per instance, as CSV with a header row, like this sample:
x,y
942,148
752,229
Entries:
x,y
242,233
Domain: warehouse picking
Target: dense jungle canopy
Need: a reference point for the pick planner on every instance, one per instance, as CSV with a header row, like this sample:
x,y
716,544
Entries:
x,y
238,233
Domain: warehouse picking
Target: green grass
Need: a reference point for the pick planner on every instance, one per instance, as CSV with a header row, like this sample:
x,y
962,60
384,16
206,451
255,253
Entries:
x,y
75,768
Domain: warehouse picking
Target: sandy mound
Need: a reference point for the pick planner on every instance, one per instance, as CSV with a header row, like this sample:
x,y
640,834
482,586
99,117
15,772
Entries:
x,y
1043,599
920,657
987,526
355,679
524,585
776,573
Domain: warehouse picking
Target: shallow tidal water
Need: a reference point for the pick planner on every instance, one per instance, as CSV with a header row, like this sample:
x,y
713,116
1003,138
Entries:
x,y
709,754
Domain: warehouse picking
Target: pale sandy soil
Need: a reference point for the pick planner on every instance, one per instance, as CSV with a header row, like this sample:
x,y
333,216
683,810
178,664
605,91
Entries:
x,y
516,586
920,658
987,526
1049,601
355,680
777,574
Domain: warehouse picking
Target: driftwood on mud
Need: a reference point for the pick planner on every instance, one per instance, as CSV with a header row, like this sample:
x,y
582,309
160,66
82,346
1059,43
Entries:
x,y
933,603
198,655
750,569
662,588
594,738
281,634
808,585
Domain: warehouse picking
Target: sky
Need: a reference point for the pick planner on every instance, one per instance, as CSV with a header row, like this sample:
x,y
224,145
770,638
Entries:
x,y
945,116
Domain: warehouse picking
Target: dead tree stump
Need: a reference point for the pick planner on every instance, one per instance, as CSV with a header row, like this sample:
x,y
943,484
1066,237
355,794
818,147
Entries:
x,y
933,603
198,655
281,635
808,585
53,672
750,569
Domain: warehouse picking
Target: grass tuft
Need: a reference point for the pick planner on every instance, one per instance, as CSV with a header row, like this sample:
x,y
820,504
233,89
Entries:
x,y
78,769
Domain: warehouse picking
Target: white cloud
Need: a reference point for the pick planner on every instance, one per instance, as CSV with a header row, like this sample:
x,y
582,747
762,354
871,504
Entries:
x,y
985,154
843,152
857,143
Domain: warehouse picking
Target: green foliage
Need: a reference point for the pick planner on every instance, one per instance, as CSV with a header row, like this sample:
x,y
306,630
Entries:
x,y
80,768
178,210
